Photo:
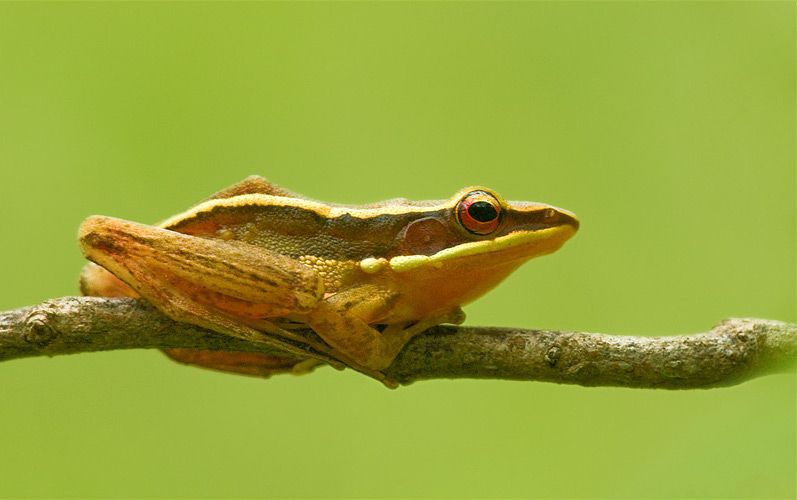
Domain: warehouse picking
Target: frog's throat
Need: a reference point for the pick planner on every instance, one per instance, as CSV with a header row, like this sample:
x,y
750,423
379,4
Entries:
x,y
404,263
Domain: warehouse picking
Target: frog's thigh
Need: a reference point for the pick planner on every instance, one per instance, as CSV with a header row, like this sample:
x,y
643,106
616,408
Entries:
x,y
208,283
343,322
243,363
180,301
147,257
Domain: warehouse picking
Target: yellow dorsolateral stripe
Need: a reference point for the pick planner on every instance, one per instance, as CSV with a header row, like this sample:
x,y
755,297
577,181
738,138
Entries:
x,y
321,209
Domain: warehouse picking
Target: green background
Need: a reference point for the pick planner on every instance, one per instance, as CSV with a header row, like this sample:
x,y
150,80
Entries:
x,y
667,126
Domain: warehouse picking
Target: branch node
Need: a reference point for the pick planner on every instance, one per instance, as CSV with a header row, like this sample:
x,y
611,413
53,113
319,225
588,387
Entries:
x,y
552,355
38,329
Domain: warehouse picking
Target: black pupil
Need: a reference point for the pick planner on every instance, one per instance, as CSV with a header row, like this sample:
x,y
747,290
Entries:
x,y
483,211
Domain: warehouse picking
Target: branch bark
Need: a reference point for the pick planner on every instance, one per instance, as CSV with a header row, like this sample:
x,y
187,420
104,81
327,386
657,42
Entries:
x,y
732,352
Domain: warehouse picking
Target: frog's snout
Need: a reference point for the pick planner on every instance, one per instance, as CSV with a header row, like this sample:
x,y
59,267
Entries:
x,y
566,217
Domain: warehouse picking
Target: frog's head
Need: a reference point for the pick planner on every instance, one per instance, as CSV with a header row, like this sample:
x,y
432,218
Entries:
x,y
459,249
481,229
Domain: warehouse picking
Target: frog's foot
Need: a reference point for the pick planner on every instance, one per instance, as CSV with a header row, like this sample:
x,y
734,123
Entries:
x,y
455,317
306,366
402,333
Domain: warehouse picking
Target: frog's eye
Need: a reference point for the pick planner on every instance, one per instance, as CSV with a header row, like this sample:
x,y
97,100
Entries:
x,y
479,212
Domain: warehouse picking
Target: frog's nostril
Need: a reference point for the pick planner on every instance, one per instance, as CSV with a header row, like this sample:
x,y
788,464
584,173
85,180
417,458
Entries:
x,y
558,217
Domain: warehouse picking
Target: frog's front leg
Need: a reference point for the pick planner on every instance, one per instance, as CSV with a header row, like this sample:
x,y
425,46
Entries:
x,y
224,286
344,322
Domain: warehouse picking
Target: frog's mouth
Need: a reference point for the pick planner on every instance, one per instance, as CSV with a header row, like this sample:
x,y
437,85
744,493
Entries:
x,y
521,244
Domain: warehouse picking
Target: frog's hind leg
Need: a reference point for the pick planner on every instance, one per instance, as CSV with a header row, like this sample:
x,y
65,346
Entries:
x,y
242,363
98,282
221,286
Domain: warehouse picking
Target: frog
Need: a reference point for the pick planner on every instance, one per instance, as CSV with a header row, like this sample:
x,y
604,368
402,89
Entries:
x,y
266,265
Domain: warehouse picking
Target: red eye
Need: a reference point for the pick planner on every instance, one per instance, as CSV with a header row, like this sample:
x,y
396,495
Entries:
x,y
479,212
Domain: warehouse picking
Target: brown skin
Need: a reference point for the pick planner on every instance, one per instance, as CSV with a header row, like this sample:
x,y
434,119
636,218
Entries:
x,y
256,258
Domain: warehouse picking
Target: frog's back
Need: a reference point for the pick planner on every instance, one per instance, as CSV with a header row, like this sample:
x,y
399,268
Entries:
x,y
300,228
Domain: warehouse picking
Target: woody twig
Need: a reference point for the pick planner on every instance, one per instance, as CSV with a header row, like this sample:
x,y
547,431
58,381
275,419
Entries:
x,y
734,351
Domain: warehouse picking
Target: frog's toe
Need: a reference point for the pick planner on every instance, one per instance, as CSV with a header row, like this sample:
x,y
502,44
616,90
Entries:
x,y
455,317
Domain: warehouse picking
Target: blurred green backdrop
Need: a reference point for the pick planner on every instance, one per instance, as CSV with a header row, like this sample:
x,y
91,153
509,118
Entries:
x,y
667,126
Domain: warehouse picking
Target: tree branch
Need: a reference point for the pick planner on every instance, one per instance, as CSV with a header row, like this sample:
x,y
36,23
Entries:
x,y
734,351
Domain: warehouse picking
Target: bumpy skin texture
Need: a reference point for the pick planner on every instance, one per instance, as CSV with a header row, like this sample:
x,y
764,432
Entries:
x,y
257,258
